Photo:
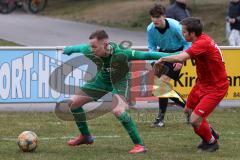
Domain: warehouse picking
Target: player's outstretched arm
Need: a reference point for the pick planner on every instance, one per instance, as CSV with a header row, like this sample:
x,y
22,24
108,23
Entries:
x,y
181,57
141,55
159,65
83,48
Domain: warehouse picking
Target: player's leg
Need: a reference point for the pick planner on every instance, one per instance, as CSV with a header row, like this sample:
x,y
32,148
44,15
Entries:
x,y
167,75
201,128
163,102
119,110
89,92
77,101
198,120
193,101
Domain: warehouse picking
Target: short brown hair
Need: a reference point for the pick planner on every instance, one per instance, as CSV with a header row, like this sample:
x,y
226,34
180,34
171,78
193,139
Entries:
x,y
157,11
193,24
99,34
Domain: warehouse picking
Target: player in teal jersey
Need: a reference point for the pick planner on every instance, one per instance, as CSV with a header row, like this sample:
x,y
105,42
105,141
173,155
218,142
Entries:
x,y
112,74
165,35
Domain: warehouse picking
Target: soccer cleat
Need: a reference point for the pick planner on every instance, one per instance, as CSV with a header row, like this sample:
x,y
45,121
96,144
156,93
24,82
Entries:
x,y
210,147
158,123
215,135
201,144
81,139
138,149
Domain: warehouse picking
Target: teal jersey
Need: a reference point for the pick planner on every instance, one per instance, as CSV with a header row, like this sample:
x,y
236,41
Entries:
x,y
114,67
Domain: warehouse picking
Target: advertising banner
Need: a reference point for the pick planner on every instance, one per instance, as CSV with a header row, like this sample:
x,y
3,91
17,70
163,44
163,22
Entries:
x,y
37,75
187,77
25,75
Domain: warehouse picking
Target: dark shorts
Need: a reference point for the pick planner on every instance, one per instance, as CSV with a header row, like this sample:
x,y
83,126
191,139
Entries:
x,y
168,70
171,73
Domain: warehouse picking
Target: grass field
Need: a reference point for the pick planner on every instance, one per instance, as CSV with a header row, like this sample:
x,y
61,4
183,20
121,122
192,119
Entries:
x,y
175,141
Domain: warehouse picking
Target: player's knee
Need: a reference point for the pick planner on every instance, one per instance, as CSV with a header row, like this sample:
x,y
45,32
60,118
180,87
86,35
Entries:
x,y
194,122
67,102
117,111
73,103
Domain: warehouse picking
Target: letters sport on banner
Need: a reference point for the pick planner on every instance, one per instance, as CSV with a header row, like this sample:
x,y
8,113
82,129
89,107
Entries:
x,y
39,75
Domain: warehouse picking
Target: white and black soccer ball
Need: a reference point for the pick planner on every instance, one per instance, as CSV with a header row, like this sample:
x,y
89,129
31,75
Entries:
x,y
27,141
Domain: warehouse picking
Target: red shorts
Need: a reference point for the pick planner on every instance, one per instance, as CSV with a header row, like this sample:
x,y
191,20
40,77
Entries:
x,y
203,103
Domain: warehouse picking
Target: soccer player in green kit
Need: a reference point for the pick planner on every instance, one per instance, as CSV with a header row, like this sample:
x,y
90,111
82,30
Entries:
x,y
111,77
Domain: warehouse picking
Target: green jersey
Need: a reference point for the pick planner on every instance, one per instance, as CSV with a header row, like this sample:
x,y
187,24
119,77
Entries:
x,y
114,68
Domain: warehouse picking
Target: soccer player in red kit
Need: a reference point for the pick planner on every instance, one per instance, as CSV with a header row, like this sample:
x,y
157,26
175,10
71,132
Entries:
x,y
211,85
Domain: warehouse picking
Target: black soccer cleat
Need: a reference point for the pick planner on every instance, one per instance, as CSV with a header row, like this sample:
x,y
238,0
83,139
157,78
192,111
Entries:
x,y
158,123
210,147
202,142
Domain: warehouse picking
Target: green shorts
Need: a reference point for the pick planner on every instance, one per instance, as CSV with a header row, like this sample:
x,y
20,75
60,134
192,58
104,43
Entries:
x,y
98,88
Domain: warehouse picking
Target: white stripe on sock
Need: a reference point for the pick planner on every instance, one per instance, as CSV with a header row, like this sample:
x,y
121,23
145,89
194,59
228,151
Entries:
x,y
212,140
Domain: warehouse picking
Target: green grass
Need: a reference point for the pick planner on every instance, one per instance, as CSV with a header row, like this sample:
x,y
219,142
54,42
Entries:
x,y
175,141
7,43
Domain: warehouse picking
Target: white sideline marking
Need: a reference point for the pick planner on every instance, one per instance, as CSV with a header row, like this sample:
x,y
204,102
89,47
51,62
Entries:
x,y
110,136
55,138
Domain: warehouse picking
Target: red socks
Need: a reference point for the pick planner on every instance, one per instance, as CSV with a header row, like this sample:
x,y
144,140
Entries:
x,y
204,132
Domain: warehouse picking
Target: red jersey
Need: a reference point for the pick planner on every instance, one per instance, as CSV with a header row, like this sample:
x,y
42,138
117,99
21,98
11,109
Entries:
x,y
211,72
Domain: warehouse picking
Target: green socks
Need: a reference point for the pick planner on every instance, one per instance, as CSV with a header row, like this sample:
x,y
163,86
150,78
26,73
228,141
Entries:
x,y
131,128
80,118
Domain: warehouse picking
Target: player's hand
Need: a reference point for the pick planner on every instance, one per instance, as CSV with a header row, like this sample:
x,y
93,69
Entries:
x,y
232,20
177,66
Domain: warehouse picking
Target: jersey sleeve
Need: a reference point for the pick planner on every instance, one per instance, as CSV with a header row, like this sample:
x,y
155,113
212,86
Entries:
x,y
83,48
141,55
197,48
150,39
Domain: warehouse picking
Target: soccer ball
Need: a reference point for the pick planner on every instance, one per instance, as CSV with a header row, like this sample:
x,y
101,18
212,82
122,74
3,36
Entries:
x,y
27,141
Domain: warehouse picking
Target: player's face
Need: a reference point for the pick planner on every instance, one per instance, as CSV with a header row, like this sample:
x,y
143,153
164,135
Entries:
x,y
98,47
159,21
186,34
